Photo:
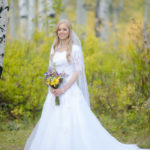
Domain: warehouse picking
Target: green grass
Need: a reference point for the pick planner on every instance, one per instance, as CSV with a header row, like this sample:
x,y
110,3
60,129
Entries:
x,y
13,140
13,135
127,134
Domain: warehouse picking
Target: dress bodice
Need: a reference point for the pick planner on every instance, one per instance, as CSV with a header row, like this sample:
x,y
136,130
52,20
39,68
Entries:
x,y
62,64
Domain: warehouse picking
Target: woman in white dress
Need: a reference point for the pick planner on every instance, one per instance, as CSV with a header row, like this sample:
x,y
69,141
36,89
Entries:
x,y
71,125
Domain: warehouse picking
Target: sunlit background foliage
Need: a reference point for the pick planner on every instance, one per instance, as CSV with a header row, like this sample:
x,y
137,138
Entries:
x,y
117,70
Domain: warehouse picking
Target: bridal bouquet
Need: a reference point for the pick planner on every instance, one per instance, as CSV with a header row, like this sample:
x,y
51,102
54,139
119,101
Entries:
x,y
53,79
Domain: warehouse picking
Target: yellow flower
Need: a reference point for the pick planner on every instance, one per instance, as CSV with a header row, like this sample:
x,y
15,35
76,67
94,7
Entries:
x,y
55,81
48,82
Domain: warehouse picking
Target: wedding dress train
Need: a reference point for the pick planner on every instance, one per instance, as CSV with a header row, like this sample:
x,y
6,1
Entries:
x,y
71,125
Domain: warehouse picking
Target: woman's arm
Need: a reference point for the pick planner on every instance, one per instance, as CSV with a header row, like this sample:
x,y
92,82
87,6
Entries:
x,y
72,80
60,91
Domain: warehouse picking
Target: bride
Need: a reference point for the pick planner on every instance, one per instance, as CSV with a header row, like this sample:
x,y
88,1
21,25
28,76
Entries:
x,y
71,125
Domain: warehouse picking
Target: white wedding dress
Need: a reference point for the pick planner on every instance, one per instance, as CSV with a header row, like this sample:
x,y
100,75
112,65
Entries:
x,y
71,125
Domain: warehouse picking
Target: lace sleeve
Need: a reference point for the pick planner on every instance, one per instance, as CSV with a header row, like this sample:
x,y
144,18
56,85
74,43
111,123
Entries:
x,y
77,60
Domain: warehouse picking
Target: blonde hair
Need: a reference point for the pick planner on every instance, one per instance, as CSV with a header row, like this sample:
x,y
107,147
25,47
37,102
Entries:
x,y
69,40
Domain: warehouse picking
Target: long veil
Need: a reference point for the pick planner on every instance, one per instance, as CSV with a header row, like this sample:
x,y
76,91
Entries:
x,y
82,82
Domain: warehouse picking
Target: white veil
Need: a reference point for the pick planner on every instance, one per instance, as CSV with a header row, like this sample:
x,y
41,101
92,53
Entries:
x,y
82,82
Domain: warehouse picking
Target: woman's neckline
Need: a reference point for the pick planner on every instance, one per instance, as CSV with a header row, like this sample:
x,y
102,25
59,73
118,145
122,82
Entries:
x,y
61,51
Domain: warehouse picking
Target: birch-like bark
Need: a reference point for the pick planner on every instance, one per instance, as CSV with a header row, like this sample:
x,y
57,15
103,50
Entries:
x,y
3,29
31,17
23,16
12,19
65,4
146,15
116,16
41,12
104,17
117,11
50,12
98,20
81,12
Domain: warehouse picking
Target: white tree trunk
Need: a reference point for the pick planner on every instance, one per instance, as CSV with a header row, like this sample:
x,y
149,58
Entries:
x,y
31,17
81,12
12,19
50,12
3,28
145,33
65,4
41,10
116,13
98,20
23,16
116,16
103,14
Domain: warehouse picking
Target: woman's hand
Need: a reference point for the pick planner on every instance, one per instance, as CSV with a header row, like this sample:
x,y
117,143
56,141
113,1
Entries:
x,y
52,90
59,91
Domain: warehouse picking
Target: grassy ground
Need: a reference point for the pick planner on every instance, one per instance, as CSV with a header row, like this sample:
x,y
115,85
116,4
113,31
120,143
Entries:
x,y
13,140
13,136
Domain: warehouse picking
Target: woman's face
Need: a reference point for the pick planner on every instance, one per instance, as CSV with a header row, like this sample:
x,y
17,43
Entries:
x,y
63,31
